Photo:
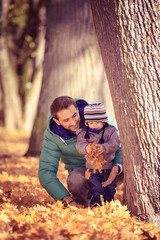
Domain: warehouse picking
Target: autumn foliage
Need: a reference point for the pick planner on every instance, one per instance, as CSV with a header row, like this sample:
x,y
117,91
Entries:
x,y
95,159
28,212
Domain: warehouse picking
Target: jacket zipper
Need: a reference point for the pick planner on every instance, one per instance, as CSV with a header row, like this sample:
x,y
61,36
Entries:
x,y
63,141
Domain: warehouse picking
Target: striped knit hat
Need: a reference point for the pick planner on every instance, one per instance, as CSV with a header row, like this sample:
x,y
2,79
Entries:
x,y
95,112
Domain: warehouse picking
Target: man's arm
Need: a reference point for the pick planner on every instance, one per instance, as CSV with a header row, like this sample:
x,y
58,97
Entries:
x,y
118,160
48,167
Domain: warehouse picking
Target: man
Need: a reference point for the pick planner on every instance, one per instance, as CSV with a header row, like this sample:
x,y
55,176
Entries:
x,y
67,116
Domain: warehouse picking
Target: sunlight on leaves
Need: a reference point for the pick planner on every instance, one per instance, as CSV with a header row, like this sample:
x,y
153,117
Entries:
x,y
28,212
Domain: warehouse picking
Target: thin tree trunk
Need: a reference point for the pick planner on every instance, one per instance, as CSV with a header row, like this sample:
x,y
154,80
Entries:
x,y
8,78
128,36
32,95
10,96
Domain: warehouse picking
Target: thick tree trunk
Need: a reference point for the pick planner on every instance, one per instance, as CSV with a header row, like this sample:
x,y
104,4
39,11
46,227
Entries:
x,y
129,36
72,64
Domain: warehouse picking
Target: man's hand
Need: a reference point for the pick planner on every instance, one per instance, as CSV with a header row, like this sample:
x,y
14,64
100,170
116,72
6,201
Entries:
x,y
112,176
68,200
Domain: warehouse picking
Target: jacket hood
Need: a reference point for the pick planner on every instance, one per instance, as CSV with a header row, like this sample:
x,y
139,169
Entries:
x,y
62,132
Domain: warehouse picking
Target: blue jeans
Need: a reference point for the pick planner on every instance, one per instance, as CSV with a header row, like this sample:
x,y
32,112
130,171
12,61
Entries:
x,y
79,187
96,189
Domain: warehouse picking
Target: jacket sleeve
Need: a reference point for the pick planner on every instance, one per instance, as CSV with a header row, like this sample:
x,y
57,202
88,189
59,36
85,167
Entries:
x,y
48,168
113,144
118,160
81,142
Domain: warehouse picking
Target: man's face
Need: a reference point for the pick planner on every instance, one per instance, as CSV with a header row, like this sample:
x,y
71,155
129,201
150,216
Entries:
x,y
69,118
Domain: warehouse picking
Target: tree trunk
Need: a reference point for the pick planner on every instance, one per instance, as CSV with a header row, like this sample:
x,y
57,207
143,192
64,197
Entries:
x,y
32,95
9,82
20,88
72,64
128,36
8,78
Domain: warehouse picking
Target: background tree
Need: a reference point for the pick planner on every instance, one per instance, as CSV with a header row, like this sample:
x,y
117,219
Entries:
x,y
8,77
128,35
72,63
21,56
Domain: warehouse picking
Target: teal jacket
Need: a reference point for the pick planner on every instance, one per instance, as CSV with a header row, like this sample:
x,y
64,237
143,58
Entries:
x,y
55,148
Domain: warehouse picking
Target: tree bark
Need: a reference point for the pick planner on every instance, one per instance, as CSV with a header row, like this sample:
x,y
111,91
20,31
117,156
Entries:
x,y
128,35
72,63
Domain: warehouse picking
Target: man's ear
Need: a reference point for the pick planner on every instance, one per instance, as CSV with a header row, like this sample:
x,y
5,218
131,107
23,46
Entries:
x,y
56,121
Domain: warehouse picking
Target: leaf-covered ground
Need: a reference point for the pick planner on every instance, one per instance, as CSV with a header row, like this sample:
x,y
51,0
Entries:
x,y
28,212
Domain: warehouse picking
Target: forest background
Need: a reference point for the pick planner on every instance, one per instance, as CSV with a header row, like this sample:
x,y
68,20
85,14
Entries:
x,y
78,71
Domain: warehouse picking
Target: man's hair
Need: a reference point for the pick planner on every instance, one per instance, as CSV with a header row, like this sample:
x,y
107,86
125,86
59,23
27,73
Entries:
x,y
61,103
